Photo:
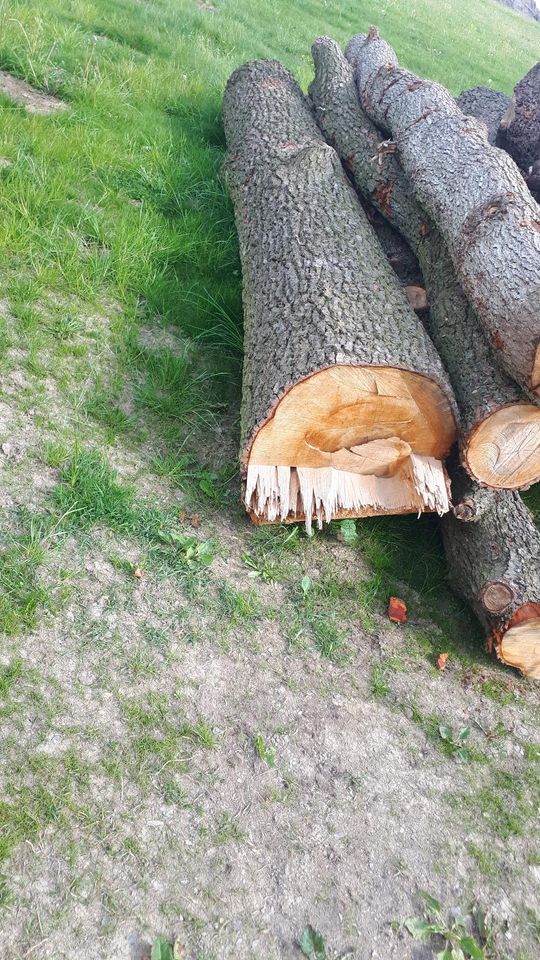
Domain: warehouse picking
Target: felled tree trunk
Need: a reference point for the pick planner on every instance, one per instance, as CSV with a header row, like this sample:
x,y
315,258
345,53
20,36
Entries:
x,y
346,408
520,128
493,551
401,258
486,105
500,433
474,193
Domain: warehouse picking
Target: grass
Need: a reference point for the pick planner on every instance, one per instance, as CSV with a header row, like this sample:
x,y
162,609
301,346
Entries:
x,y
21,594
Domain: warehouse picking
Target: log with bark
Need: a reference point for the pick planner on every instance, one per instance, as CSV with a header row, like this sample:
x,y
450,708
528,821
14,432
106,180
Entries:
x,y
500,431
398,252
493,551
346,408
486,105
474,193
520,128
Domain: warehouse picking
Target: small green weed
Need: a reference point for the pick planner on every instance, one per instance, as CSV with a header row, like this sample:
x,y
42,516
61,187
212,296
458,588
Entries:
x,y
312,944
163,949
264,751
379,680
459,943
456,744
195,479
452,745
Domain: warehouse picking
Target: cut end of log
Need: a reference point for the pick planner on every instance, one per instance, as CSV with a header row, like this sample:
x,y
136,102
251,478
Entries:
x,y
351,441
497,596
504,450
520,644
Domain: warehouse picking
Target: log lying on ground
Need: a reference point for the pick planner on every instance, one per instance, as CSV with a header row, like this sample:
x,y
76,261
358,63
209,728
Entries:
x,y
474,193
493,551
500,432
486,105
520,128
398,252
346,408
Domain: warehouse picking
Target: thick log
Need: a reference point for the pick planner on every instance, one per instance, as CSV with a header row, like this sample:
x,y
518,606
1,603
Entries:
x,y
493,551
474,193
486,105
500,432
335,357
520,128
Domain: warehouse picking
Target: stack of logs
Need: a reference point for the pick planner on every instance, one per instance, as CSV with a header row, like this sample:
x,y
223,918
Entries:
x,y
390,246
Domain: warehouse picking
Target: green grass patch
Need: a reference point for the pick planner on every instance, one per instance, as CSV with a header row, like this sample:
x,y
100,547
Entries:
x,y
21,594
89,493
507,802
55,794
161,743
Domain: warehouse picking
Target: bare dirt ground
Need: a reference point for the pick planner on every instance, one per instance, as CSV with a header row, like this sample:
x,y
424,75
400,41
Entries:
x,y
35,101
222,758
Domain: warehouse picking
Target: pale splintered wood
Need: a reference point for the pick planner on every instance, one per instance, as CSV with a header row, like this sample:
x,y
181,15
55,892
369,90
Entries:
x,y
520,647
345,406
282,493
504,450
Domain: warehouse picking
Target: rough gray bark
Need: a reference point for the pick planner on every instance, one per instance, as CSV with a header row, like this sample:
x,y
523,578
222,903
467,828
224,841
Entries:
x,y
486,105
317,289
474,193
481,387
493,551
520,128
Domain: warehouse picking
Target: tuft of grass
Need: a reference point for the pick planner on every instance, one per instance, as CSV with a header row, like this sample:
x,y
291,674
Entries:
x,y
21,594
49,800
162,742
240,607
227,829
379,681
89,493
173,391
